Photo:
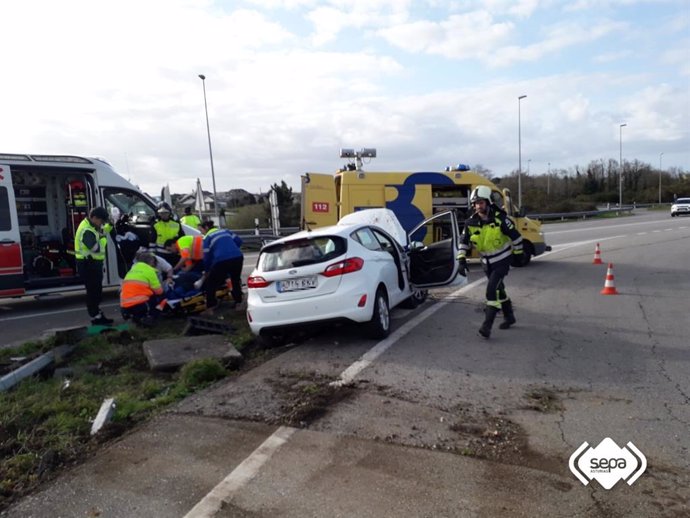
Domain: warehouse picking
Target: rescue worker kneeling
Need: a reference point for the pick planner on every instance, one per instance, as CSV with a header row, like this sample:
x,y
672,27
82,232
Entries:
x,y
141,290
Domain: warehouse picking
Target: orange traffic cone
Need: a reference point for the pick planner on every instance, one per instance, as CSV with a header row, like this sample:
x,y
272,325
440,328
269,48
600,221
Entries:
x,y
609,288
597,256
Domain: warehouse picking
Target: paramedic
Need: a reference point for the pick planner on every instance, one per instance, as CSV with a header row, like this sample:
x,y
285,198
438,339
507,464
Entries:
x,y
495,237
141,289
89,250
222,259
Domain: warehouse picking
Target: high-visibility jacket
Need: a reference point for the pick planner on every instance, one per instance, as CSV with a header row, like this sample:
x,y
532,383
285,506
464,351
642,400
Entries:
x,y
495,238
191,220
139,285
166,230
191,248
97,251
220,245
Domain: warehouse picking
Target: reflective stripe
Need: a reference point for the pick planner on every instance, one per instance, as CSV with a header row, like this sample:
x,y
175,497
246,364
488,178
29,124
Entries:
x,y
496,256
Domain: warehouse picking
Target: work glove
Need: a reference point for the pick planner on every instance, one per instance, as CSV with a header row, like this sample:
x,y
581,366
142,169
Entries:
x,y
462,266
198,284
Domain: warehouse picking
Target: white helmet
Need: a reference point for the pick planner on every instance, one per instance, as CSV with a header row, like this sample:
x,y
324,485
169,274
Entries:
x,y
481,192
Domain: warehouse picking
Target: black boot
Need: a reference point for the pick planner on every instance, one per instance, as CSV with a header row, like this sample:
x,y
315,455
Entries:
x,y
508,315
489,317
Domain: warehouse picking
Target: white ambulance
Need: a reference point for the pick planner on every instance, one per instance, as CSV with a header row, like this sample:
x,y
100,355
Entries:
x,y
43,198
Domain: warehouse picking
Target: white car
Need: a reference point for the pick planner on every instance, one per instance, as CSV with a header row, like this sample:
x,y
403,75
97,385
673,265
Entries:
x,y
681,206
354,271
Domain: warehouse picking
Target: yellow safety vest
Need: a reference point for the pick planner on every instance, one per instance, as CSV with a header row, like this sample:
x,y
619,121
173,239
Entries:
x,y
139,285
80,250
489,237
166,230
192,220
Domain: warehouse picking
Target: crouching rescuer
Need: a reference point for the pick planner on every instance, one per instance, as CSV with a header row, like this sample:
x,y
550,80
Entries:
x,y
495,237
141,289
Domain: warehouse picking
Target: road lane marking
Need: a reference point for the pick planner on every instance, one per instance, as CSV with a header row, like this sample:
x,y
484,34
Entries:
x,y
372,354
47,313
568,246
213,501
589,229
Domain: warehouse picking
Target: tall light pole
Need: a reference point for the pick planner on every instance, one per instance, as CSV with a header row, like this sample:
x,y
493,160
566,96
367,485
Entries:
x,y
210,151
660,177
620,167
520,153
548,181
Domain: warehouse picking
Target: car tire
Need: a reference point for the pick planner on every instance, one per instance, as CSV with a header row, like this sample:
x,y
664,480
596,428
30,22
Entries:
x,y
380,324
417,298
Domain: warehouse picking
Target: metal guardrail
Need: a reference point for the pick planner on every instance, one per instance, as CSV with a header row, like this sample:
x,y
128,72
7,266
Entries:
x,y
580,215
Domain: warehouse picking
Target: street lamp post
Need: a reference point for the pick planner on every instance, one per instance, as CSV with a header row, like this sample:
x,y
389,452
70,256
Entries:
x,y
210,151
520,153
548,181
660,177
620,167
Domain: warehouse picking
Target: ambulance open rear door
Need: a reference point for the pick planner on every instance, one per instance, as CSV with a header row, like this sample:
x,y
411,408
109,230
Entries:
x,y
11,263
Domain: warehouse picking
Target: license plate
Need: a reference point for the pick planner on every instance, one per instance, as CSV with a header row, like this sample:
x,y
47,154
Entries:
x,y
303,283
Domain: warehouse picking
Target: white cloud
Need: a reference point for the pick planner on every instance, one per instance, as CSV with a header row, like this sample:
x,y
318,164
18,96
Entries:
x,y
470,35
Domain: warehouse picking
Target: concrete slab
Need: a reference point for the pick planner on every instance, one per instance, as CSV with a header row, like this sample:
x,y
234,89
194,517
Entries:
x,y
171,353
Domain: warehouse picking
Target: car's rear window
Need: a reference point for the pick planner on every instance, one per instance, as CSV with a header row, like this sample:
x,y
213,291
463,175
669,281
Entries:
x,y
301,252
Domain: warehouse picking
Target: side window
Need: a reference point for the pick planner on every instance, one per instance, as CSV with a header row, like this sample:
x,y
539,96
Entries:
x,y
367,239
129,203
384,240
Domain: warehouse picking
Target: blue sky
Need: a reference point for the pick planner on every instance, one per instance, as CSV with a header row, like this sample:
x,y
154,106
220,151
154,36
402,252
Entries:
x,y
289,82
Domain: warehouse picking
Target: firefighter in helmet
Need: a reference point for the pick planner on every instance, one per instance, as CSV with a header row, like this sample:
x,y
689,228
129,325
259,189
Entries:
x,y
491,232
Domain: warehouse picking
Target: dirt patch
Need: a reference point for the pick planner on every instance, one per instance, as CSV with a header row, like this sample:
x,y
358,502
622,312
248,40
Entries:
x,y
543,399
306,396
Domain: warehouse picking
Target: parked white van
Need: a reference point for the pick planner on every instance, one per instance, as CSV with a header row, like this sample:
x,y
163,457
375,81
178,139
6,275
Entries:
x,y
43,198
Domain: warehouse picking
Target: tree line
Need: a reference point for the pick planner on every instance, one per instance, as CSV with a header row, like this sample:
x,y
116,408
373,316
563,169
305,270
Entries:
x,y
584,188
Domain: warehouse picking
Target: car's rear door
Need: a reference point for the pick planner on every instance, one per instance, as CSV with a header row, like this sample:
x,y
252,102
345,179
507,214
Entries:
x,y
11,264
434,263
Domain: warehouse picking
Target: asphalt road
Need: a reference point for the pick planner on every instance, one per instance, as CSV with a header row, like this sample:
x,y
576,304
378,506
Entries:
x,y
437,421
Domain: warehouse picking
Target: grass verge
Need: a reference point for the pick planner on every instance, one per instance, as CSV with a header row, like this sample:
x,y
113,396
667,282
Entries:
x,y
45,421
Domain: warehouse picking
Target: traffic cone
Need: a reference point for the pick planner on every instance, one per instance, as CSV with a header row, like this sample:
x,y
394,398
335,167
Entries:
x,y
597,256
609,288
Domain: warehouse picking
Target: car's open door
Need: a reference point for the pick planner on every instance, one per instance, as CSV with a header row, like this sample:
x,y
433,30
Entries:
x,y
11,263
433,263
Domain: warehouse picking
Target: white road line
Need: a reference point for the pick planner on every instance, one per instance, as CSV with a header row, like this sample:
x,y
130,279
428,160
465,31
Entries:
x,y
549,232
567,246
642,233
213,501
370,356
47,313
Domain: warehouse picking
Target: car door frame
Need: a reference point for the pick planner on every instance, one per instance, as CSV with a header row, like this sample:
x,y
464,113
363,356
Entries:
x,y
453,265
11,259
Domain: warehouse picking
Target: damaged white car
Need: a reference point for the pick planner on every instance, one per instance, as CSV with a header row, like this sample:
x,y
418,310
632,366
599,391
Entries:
x,y
357,270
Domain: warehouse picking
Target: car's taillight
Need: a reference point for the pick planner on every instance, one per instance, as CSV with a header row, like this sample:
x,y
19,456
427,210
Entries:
x,y
257,282
350,265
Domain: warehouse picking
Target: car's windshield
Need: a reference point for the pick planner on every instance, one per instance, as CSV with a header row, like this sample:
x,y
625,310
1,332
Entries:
x,y
301,252
683,200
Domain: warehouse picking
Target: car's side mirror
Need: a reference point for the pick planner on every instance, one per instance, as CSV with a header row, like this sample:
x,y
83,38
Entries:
x,y
416,245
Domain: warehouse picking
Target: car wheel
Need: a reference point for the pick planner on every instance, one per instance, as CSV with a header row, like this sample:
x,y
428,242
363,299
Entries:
x,y
417,298
380,324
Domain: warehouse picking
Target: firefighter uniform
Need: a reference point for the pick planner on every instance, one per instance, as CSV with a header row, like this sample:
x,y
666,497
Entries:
x,y
89,251
166,230
496,240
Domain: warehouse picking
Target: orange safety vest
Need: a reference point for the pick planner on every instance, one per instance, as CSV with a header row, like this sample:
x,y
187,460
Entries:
x,y
139,285
191,249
